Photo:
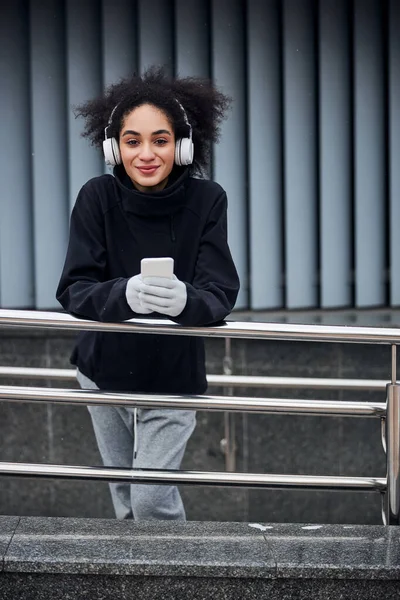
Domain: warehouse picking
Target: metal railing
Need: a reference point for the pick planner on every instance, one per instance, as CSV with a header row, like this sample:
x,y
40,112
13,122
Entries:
x,y
388,412
224,381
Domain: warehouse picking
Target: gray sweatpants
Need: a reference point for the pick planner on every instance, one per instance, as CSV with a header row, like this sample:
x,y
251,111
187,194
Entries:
x,y
161,441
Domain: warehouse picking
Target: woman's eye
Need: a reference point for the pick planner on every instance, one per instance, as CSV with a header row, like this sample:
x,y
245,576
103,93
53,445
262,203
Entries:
x,y
161,142
132,142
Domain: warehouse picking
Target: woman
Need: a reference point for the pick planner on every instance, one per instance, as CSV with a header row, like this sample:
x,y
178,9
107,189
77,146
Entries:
x,y
157,132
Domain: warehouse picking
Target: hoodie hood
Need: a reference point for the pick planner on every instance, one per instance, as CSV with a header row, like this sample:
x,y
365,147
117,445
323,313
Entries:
x,y
165,202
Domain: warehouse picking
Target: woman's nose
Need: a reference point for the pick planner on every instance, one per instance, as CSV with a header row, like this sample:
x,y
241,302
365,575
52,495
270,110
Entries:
x,y
146,152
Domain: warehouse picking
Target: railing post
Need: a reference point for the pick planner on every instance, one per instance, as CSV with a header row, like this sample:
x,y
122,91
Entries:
x,y
228,443
393,447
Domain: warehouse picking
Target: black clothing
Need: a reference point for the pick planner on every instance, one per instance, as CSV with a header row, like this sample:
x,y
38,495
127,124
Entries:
x,y
114,226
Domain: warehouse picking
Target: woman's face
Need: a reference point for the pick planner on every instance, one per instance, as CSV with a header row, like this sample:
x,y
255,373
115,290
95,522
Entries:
x,y
147,146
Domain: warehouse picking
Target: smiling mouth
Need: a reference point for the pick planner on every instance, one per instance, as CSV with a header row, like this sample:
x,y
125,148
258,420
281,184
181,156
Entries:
x,y
148,170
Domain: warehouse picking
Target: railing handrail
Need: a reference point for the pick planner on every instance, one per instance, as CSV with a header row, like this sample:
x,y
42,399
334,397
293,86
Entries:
x,y
209,478
219,380
229,329
286,406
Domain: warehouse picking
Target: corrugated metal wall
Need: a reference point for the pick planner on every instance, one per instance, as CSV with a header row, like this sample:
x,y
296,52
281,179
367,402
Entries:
x,y
310,155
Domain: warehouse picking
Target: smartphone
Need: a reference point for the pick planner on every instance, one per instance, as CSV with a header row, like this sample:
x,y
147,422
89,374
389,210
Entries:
x,y
157,267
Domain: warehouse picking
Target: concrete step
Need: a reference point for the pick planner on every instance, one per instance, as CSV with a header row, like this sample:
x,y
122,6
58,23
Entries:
x,y
64,558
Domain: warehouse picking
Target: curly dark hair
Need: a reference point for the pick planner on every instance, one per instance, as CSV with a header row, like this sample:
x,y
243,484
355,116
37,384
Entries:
x,y
204,105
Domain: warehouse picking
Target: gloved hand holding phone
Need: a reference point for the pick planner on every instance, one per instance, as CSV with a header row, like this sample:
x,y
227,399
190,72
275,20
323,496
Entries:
x,y
156,289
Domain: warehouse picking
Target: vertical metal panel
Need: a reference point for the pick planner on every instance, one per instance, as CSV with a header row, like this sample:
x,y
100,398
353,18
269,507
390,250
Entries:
x,y
394,149
230,155
49,132
369,154
120,43
120,39
83,83
192,25
192,41
16,280
300,141
265,153
77,47
335,153
156,34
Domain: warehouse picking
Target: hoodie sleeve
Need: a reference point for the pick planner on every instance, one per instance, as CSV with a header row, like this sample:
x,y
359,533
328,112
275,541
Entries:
x,y
84,290
213,293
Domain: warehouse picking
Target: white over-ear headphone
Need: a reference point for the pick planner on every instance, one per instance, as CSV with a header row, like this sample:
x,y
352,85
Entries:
x,y
184,147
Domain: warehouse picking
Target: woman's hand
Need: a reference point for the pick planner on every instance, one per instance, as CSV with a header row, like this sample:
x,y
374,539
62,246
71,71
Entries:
x,y
162,295
132,292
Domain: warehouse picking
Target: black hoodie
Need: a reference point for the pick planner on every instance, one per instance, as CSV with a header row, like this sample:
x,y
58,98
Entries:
x,y
113,226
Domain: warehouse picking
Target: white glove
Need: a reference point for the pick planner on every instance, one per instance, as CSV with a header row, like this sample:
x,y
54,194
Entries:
x,y
163,295
132,295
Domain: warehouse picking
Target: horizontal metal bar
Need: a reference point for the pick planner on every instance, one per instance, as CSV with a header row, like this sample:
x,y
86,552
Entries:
x,y
207,403
316,383
39,373
231,329
257,480
236,381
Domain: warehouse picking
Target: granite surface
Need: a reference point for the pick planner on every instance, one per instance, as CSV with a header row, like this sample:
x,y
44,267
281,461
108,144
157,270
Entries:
x,y
158,548
7,529
106,559
335,551
14,586
197,549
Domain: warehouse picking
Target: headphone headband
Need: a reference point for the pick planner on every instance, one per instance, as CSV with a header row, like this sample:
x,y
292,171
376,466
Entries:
x,y
185,117
178,103
110,119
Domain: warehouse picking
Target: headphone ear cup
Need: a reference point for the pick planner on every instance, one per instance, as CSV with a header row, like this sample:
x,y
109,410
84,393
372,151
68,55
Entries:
x,y
111,151
184,151
178,153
